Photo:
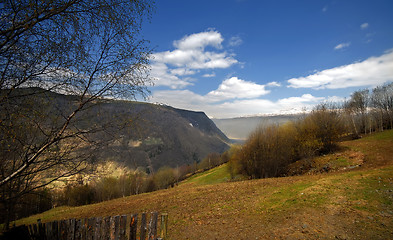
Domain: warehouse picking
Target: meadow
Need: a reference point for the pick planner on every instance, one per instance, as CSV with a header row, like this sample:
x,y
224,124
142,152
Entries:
x,y
346,203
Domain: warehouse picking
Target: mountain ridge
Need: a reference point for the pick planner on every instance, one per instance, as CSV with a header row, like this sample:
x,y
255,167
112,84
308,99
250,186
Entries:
x,y
151,136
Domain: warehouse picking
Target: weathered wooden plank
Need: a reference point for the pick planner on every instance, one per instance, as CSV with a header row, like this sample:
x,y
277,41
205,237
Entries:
x,y
164,226
117,227
78,230
123,227
71,229
91,222
143,227
114,228
41,230
98,229
153,226
35,231
48,230
84,228
31,231
63,230
105,228
133,227
55,230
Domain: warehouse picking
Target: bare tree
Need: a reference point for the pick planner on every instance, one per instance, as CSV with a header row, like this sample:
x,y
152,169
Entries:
x,y
382,100
88,50
357,107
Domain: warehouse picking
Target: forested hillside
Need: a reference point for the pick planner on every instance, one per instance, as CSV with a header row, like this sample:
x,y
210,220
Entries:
x,y
142,134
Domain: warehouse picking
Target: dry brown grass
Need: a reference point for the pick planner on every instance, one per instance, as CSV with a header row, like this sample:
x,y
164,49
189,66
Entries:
x,y
356,204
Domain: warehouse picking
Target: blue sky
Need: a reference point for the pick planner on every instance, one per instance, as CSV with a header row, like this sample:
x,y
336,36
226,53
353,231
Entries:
x,y
247,57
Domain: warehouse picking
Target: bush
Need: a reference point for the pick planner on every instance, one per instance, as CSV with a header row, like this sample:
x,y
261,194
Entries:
x,y
164,178
269,150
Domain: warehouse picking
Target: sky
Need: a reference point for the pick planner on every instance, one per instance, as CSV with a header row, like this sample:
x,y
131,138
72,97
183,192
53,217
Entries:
x,y
234,58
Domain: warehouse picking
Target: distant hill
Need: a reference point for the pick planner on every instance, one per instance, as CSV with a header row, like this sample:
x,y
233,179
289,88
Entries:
x,y
150,136
163,136
240,128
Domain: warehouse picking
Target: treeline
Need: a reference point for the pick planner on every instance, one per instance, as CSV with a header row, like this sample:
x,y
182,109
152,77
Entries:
x,y
80,192
136,182
269,150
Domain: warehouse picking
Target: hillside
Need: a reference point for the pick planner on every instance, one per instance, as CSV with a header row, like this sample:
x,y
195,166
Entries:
x,y
348,203
137,134
162,135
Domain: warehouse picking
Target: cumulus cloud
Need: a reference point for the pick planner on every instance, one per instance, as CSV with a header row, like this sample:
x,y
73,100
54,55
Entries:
x,y
190,56
342,45
163,77
370,72
237,88
235,97
364,26
200,41
187,99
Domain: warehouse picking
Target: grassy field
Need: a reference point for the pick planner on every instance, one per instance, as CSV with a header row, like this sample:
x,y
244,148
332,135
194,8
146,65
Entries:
x,y
347,203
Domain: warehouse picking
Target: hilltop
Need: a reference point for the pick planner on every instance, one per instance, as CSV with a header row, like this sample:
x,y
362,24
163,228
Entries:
x,y
348,203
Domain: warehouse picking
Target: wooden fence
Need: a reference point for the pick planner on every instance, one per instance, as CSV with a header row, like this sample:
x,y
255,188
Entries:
x,y
122,227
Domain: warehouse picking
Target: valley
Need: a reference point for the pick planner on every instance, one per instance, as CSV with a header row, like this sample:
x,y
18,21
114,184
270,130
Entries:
x,y
348,203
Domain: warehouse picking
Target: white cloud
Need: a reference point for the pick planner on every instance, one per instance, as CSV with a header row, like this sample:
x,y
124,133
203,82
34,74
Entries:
x,y
235,41
233,98
200,41
293,102
342,45
206,75
370,72
189,57
163,77
182,71
324,9
364,26
234,87
186,99
273,84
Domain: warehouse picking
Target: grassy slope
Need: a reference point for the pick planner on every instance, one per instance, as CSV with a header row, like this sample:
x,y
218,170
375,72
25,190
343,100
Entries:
x,y
354,204
212,176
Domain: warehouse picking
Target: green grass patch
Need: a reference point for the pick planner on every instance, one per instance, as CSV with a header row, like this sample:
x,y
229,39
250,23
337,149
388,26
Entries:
x,y
294,196
385,135
215,175
340,162
374,191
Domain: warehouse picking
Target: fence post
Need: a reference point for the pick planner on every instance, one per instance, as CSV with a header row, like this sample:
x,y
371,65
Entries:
x,y
164,226
90,228
55,230
153,226
143,227
63,230
98,229
114,229
123,227
71,229
106,223
78,230
41,230
133,226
